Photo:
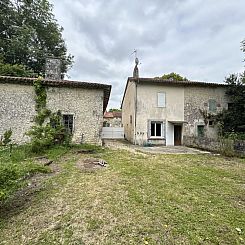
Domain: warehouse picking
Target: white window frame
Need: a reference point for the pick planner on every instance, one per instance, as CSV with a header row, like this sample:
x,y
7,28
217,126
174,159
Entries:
x,y
162,129
161,104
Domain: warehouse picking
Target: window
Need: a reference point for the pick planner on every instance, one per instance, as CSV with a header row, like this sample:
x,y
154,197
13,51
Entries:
x,y
161,99
212,105
211,123
156,129
68,123
200,131
130,119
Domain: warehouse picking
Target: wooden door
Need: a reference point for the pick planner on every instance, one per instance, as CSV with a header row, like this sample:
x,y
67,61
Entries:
x,y
177,134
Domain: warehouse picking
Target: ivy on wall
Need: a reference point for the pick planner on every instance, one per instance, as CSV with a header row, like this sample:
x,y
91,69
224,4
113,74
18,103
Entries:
x,y
41,102
48,129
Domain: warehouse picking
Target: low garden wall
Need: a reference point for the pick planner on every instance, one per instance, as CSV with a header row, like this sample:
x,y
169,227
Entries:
x,y
222,145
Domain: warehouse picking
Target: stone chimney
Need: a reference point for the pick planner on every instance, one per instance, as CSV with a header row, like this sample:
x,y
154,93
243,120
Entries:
x,y
136,69
53,69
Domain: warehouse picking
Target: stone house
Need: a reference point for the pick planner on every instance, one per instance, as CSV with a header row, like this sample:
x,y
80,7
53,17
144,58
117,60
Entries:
x,y
113,119
82,105
167,112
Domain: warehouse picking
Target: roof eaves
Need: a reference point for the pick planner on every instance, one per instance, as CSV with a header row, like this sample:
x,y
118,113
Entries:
x,y
175,82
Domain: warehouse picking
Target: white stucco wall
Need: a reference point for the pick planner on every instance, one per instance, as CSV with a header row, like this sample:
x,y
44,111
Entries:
x,y
169,134
147,109
128,109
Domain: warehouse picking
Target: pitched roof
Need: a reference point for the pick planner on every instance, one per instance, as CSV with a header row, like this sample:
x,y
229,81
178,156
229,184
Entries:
x,y
108,114
145,80
62,83
170,81
117,114
112,114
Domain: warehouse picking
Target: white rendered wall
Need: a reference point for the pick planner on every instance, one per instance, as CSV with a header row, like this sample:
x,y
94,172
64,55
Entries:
x,y
169,134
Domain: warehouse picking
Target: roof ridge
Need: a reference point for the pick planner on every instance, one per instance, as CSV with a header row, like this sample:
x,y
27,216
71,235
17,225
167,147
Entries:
x,y
159,79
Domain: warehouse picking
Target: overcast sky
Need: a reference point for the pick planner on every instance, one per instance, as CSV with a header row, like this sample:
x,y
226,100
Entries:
x,y
199,39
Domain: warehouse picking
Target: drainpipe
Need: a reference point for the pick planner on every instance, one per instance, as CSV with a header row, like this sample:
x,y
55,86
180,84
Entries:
x,y
135,112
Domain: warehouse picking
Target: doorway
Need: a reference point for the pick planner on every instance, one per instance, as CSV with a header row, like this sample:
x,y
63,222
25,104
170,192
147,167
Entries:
x,y
177,134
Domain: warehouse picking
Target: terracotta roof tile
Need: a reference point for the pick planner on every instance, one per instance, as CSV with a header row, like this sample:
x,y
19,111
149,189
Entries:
x,y
169,81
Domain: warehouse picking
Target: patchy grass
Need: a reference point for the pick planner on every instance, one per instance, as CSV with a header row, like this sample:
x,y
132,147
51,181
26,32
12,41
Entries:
x,y
138,199
15,167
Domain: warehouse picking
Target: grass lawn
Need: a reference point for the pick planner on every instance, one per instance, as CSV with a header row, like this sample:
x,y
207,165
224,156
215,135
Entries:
x,y
137,199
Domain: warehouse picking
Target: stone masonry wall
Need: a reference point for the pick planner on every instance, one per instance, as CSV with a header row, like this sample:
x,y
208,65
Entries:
x,y
217,145
17,110
196,98
87,107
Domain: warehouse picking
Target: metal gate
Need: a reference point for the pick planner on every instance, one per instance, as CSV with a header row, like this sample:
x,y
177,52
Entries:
x,y
112,133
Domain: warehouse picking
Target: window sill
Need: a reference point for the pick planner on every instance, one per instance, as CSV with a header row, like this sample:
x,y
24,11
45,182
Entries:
x,y
156,138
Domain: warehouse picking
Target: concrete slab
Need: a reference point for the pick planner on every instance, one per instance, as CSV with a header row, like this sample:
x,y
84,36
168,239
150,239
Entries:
x,y
123,144
172,150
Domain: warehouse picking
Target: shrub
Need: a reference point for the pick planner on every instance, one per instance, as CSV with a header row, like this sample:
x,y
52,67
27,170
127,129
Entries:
x,y
7,137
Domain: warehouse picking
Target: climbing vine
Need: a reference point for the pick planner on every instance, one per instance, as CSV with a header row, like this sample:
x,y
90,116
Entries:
x,y
41,101
206,116
48,129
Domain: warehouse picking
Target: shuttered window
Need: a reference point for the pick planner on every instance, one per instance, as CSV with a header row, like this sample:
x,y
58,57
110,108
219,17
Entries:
x,y
212,105
161,99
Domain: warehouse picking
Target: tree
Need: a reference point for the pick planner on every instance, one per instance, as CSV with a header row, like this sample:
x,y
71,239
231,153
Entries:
x,y
233,119
173,76
243,46
29,34
15,70
114,109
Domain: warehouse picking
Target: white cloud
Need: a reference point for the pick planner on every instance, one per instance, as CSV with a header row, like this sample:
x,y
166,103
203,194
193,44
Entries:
x,y
198,39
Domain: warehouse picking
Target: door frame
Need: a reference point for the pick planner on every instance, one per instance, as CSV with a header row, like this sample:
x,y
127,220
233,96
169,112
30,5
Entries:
x,y
179,140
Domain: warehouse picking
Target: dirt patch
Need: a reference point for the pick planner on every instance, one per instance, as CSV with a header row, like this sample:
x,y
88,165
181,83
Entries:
x,y
91,164
45,161
23,197
85,151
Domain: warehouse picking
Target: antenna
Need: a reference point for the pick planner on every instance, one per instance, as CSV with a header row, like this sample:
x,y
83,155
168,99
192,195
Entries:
x,y
135,53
